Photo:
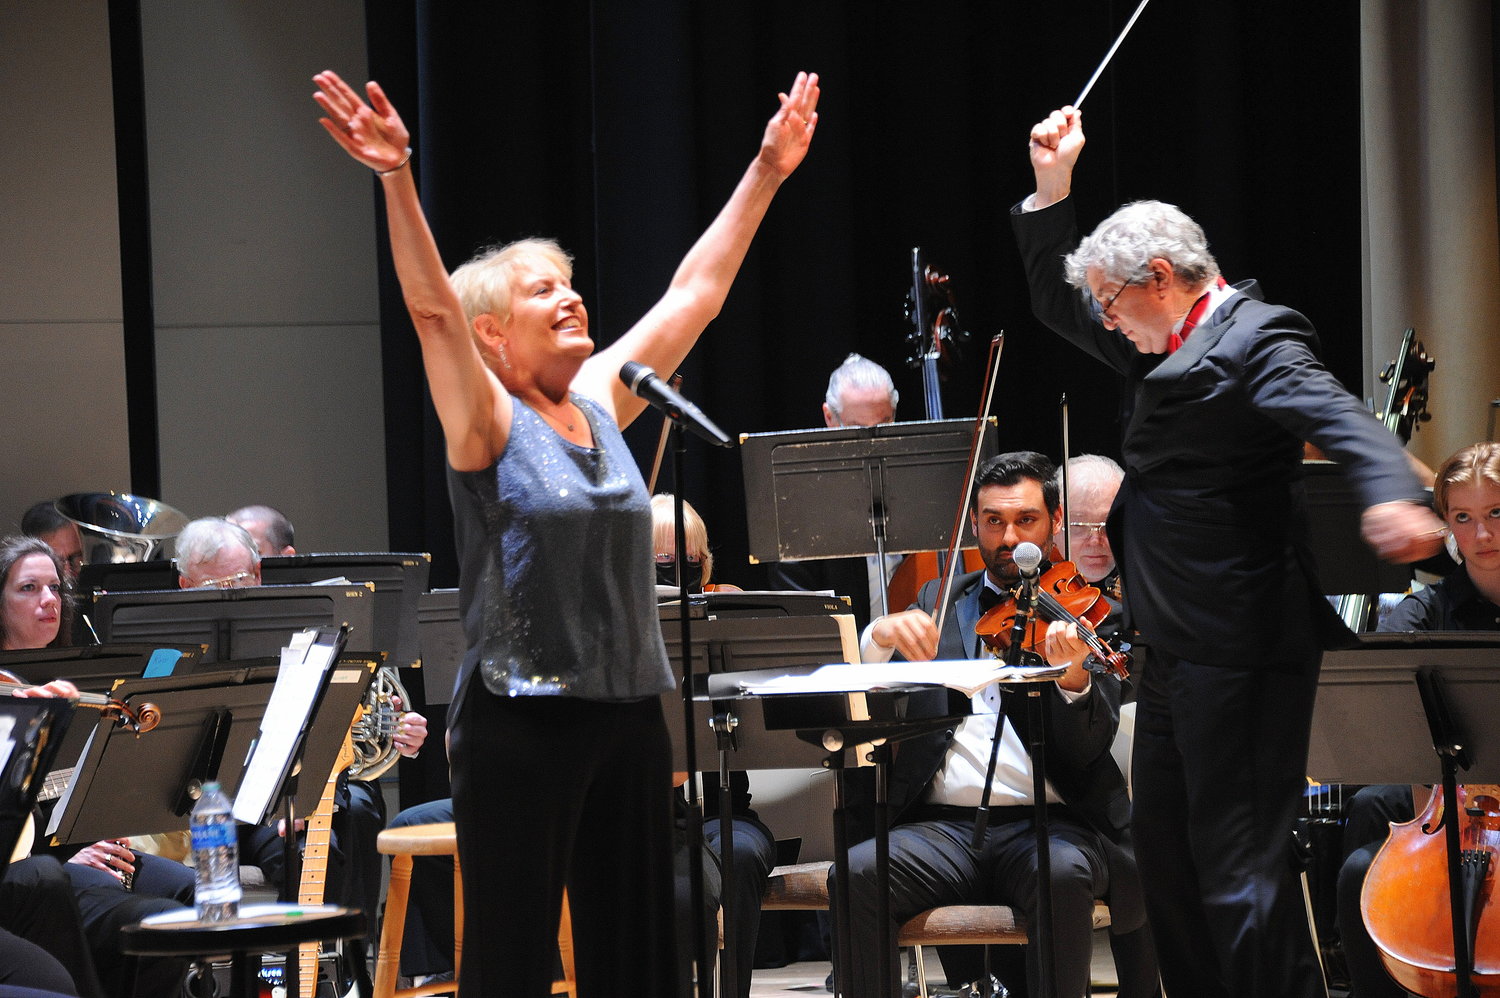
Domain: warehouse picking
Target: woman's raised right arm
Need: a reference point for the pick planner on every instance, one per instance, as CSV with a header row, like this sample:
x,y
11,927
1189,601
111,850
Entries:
x,y
471,404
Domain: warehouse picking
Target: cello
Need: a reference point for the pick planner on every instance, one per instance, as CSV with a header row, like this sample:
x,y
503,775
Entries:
x,y
1409,910
935,338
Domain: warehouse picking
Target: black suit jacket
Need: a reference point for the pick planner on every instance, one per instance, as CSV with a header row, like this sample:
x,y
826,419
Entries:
x,y
1209,526
1079,764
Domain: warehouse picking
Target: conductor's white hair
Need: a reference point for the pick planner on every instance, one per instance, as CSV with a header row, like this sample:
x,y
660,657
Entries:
x,y
1123,245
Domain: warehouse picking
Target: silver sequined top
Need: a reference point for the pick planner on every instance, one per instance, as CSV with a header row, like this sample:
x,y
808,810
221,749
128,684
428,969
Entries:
x,y
556,580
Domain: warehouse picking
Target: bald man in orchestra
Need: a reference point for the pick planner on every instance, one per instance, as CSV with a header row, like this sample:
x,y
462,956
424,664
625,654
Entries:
x,y
1209,526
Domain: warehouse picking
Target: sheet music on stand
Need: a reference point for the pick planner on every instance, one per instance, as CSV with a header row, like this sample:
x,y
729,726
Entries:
x,y
967,676
306,667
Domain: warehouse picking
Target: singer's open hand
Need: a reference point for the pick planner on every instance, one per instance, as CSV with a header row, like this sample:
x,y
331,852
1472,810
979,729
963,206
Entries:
x,y
790,130
373,132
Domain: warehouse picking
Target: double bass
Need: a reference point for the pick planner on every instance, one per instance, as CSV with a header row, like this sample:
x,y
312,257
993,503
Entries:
x,y
935,337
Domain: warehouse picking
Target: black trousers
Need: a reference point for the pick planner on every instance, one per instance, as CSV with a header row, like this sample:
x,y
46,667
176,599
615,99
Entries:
x,y
934,863
1219,764
550,791
43,945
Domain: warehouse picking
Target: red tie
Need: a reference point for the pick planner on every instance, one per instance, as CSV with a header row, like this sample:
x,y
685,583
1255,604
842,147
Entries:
x,y
1194,316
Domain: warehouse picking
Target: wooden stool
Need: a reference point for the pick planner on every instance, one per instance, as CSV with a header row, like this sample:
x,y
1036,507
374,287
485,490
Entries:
x,y
440,839
963,924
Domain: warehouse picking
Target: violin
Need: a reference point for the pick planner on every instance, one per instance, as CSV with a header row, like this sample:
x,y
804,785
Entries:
x,y
1406,902
138,719
1062,595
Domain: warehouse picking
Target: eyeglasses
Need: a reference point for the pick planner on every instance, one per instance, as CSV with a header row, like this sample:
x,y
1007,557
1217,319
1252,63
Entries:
x,y
1101,312
1083,530
665,558
239,580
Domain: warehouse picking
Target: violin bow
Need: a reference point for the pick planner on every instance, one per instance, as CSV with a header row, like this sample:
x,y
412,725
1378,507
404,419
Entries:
x,y
992,373
1067,537
1109,55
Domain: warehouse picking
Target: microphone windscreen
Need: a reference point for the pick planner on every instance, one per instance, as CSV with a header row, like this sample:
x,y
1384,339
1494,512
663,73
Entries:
x,y
1028,557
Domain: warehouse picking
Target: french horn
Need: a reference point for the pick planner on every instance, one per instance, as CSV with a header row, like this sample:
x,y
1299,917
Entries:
x,y
374,734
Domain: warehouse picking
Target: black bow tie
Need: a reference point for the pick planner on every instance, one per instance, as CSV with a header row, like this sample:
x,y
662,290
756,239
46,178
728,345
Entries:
x,y
989,598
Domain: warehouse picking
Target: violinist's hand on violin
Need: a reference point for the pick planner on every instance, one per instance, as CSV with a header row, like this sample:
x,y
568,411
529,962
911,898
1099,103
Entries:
x,y
911,632
1063,646
56,688
1055,144
1402,531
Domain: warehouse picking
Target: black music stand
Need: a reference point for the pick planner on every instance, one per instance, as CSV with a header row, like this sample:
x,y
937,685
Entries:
x,y
210,725
238,624
31,731
804,489
1394,697
879,721
96,669
440,634
399,579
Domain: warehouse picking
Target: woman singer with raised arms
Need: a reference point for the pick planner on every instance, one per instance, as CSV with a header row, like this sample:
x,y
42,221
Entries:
x,y
560,760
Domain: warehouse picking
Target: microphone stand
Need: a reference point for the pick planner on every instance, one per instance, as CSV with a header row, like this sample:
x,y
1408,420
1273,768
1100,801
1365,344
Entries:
x,y
689,736
1016,655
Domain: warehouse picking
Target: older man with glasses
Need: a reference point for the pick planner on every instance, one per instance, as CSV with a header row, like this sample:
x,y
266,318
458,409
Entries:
x,y
1220,392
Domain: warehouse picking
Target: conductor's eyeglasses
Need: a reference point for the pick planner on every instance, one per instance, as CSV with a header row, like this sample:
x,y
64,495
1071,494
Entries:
x,y
1082,530
1101,310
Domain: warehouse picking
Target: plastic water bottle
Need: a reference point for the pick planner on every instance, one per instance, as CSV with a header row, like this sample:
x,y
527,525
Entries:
x,y
216,852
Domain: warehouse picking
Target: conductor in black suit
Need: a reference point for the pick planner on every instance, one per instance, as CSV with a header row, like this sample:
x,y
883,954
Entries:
x,y
1221,390
937,780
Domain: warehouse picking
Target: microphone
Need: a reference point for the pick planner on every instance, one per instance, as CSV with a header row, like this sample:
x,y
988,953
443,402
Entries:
x,y
1028,558
642,381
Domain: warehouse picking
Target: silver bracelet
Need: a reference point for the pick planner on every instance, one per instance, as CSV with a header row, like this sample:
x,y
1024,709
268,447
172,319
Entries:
x,y
387,173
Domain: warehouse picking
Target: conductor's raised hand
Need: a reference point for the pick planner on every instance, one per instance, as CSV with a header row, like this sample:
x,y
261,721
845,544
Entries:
x,y
372,132
790,130
1054,145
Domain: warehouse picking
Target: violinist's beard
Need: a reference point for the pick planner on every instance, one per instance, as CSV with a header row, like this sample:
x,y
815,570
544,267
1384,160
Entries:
x,y
1002,570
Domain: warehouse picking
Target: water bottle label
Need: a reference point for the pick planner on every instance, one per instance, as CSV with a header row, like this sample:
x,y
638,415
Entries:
x,y
215,836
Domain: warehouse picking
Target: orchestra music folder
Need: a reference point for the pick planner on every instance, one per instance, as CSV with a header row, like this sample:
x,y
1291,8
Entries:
x,y
1369,725
209,727
817,493
239,624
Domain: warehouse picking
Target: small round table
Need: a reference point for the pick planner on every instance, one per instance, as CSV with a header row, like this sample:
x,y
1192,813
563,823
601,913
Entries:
x,y
260,928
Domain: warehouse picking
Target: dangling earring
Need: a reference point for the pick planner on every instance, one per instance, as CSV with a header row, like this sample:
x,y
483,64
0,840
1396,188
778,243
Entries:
x,y
504,357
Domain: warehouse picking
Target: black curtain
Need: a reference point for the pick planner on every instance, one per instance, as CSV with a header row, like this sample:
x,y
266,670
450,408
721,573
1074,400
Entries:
x,y
620,130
